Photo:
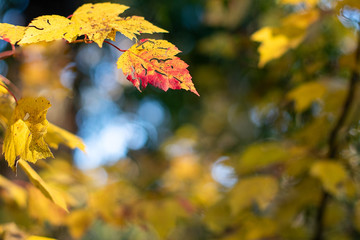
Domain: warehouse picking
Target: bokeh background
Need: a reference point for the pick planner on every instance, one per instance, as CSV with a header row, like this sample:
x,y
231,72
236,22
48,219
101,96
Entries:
x,y
172,165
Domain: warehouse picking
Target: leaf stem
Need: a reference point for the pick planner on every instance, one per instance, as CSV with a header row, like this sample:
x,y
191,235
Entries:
x,y
333,143
7,89
121,50
13,86
8,53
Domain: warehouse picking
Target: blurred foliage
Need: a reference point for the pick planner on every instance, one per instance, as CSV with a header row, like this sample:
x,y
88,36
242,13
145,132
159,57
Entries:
x,y
253,158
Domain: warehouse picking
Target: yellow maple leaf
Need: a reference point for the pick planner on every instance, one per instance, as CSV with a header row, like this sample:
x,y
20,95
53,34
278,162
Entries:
x,y
11,33
24,137
51,193
94,20
135,25
56,135
49,28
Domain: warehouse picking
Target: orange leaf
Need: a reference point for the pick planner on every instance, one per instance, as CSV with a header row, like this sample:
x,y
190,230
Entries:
x,y
153,61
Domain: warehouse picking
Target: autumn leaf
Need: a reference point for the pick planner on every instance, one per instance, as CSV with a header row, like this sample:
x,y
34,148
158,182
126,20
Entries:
x,y
135,25
56,135
24,137
39,183
11,33
276,41
93,20
153,61
49,28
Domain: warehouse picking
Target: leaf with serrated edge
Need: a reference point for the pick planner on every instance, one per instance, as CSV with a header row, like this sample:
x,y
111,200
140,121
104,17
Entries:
x,y
49,28
94,20
39,183
24,137
11,33
153,61
135,25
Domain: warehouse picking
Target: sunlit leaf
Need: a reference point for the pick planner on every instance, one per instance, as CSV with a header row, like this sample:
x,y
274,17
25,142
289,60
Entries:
x,y
24,137
305,94
135,25
153,61
43,209
11,33
38,182
49,28
331,174
259,190
56,135
93,20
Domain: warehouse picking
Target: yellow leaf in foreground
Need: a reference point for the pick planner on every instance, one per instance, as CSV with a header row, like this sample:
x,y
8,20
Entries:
x,y
11,33
56,135
259,190
24,137
306,94
49,28
38,182
331,174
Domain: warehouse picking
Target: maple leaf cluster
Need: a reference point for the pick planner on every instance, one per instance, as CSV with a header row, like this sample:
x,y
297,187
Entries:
x,y
148,61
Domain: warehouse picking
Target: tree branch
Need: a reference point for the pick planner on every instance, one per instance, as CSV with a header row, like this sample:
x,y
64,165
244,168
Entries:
x,y
333,143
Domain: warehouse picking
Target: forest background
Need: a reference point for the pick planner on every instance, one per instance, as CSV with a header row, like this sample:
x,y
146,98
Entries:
x,y
268,151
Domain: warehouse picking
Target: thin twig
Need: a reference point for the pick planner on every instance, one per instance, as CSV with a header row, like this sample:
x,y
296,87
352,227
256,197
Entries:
x,y
333,143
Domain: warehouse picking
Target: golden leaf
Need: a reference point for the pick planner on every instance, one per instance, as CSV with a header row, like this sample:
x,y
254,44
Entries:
x,y
11,33
94,20
135,25
275,41
56,135
39,183
24,137
49,28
